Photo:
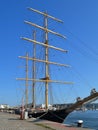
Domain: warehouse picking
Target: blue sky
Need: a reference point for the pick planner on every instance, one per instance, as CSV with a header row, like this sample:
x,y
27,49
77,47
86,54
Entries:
x,y
80,27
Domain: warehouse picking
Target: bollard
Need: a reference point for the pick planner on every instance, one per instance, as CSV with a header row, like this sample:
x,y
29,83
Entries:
x,y
26,115
79,123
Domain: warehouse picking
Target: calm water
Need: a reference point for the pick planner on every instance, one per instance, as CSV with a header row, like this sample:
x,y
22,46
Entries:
x,y
90,118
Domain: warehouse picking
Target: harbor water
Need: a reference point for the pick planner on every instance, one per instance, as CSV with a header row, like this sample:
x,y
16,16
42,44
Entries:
x,y
89,117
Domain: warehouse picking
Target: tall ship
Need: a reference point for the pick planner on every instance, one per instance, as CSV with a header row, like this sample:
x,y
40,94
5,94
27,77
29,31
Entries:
x,y
43,77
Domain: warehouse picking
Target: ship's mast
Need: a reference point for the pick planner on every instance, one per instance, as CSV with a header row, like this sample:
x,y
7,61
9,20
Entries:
x,y
34,71
46,51
46,79
26,89
46,59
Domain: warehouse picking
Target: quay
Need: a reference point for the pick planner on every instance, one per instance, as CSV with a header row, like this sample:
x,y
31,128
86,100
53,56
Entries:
x,y
13,122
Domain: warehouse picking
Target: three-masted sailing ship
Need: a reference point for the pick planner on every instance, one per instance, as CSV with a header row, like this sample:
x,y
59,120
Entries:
x,y
56,115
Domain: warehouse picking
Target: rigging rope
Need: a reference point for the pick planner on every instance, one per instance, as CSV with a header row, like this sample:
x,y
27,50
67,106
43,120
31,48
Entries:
x,y
56,116
83,43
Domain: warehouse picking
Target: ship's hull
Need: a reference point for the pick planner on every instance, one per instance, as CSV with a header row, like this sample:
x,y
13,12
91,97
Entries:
x,y
55,116
60,115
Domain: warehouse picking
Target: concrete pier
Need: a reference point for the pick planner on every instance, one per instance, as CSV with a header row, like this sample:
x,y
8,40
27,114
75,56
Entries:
x,y
13,122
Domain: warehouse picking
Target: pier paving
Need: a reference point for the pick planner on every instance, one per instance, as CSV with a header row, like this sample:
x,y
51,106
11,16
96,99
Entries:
x,y
12,122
